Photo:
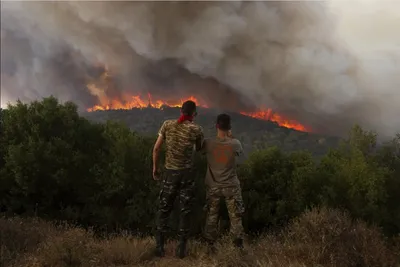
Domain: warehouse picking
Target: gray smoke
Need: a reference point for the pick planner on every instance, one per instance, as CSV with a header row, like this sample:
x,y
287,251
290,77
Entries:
x,y
282,55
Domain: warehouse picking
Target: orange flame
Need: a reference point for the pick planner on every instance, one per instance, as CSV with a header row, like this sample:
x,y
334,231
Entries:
x,y
138,102
269,115
129,102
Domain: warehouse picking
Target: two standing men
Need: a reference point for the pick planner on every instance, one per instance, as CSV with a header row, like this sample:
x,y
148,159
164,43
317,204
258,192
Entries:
x,y
182,138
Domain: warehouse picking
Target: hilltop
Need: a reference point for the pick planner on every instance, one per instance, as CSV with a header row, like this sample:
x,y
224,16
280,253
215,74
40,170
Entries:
x,y
254,133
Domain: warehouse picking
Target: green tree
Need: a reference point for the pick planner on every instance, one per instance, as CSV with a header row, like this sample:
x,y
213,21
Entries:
x,y
49,152
273,186
353,179
129,193
388,156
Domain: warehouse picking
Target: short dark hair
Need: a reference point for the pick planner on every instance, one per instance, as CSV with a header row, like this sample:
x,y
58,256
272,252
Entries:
x,y
188,108
224,122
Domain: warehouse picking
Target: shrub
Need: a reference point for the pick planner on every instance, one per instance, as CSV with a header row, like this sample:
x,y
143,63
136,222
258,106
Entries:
x,y
276,186
332,238
19,236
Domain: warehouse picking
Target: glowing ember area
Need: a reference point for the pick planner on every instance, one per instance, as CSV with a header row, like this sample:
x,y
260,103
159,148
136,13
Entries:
x,y
269,115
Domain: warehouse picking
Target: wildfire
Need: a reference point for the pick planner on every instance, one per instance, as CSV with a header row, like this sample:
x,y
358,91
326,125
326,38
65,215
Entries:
x,y
139,102
105,83
269,115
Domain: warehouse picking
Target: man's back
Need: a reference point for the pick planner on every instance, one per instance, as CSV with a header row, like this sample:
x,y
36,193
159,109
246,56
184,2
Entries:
x,y
222,156
180,140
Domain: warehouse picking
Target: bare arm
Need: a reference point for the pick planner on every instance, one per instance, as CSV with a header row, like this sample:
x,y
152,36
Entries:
x,y
156,151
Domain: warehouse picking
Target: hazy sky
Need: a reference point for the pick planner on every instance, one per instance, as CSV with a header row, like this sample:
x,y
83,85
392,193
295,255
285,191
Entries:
x,y
368,25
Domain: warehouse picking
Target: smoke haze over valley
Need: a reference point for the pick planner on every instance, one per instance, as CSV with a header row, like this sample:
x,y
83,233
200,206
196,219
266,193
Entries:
x,y
325,64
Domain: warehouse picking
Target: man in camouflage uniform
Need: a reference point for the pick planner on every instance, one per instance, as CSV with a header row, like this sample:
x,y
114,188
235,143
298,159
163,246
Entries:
x,y
182,137
222,181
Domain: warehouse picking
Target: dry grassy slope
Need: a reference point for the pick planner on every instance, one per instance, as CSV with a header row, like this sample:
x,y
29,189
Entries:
x,y
254,133
318,238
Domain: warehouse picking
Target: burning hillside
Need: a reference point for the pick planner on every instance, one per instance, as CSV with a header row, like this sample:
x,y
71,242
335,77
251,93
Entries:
x,y
140,102
104,86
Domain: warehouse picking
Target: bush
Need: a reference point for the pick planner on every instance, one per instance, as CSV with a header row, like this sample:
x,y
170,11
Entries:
x,y
276,186
21,236
332,238
355,179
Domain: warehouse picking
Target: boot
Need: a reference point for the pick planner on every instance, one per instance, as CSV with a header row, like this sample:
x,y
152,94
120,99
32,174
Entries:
x,y
181,249
211,249
160,245
238,242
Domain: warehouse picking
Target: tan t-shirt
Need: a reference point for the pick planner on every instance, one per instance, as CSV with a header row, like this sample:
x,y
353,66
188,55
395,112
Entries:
x,y
180,140
222,159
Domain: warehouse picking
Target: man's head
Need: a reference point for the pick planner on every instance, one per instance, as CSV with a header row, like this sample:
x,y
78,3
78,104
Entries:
x,y
224,122
189,108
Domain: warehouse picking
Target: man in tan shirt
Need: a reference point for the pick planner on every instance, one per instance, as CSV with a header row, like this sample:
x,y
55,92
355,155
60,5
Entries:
x,y
222,181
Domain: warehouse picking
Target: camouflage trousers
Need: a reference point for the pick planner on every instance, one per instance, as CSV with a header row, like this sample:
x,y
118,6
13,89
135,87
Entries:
x,y
176,183
235,206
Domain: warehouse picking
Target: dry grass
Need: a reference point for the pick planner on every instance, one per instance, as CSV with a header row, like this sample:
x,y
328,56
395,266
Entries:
x,y
317,238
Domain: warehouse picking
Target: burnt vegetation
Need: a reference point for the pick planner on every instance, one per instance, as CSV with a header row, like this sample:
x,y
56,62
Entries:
x,y
331,207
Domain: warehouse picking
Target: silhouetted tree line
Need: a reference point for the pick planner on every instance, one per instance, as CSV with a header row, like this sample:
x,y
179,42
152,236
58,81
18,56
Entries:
x,y
57,165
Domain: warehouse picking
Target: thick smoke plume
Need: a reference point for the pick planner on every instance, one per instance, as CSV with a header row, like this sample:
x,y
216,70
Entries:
x,y
288,56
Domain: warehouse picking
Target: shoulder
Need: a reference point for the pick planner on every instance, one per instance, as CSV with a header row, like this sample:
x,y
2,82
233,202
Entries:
x,y
207,144
208,140
195,127
168,123
166,126
235,141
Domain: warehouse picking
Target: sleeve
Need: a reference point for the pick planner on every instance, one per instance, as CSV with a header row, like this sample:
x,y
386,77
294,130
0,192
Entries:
x,y
240,157
163,130
239,148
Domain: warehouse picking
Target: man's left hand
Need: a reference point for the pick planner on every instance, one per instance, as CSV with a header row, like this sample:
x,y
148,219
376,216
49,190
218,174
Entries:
x,y
156,175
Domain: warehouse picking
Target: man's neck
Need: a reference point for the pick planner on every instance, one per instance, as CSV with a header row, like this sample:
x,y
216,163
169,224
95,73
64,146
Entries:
x,y
222,135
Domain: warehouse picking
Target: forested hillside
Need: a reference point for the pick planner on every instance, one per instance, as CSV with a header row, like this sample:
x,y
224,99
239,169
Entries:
x,y
255,134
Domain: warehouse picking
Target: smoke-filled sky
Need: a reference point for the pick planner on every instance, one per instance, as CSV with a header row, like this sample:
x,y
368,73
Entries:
x,y
326,64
